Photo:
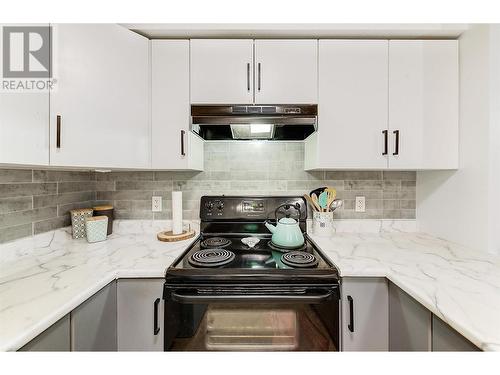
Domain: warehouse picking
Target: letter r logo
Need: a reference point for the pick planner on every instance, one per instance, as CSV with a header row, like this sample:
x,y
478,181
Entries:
x,y
27,52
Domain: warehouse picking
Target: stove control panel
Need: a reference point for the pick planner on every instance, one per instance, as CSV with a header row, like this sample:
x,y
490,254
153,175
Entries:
x,y
253,206
250,208
213,208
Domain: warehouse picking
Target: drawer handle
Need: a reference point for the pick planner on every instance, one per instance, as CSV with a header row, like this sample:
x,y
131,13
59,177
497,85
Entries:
x,y
351,314
58,131
259,75
396,150
183,152
386,140
156,328
248,77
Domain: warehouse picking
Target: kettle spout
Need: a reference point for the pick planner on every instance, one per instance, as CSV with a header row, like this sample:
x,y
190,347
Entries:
x,y
271,227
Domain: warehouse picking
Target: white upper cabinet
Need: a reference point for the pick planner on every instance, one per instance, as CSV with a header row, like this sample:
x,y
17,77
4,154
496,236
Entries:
x,y
352,109
286,71
386,104
24,126
101,101
221,71
173,145
423,104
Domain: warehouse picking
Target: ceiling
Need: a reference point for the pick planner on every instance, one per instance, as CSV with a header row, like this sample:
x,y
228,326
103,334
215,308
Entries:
x,y
303,30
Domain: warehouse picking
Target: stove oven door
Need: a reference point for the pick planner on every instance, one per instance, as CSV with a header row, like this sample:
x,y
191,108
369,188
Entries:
x,y
249,318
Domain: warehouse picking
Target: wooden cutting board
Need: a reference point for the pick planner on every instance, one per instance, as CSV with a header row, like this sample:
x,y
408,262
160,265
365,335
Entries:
x,y
168,236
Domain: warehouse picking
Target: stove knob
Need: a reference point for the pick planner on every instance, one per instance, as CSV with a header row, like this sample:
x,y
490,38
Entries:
x,y
220,206
209,206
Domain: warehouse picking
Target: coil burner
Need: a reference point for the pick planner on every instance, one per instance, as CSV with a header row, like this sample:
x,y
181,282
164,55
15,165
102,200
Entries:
x,y
211,258
215,242
299,259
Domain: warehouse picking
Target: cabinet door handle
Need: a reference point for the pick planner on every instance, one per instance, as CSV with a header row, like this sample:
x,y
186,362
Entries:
x,y
259,76
396,145
351,314
58,131
386,140
248,77
156,328
183,153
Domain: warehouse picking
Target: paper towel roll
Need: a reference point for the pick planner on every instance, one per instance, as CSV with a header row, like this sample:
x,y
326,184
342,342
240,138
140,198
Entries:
x,y
176,212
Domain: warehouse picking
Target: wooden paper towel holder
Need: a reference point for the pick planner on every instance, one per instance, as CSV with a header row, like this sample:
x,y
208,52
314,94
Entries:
x,y
168,236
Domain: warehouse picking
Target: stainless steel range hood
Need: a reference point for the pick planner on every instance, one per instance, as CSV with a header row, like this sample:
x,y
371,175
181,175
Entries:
x,y
247,122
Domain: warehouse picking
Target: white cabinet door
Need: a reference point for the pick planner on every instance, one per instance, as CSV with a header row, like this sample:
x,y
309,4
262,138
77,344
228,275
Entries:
x,y
352,109
102,97
423,104
94,322
221,71
365,314
286,71
24,126
139,303
172,144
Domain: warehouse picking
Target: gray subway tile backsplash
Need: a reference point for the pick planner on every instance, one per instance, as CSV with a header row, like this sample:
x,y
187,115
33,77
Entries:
x,y
15,175
36,201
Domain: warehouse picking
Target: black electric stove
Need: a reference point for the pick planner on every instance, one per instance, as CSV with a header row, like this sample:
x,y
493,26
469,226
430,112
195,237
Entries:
x,y
219,254
223,294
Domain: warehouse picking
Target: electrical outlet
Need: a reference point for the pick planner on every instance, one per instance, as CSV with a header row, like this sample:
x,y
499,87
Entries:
x,y
360,204
156,204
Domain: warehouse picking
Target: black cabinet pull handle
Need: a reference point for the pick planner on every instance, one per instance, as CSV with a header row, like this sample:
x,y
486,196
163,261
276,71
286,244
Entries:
x,y
248,77
386,140
58,131
259,76
156,328
396,147
351,314
183,153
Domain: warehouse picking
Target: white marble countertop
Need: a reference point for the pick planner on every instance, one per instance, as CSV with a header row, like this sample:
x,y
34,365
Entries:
x,y
460,286
45,277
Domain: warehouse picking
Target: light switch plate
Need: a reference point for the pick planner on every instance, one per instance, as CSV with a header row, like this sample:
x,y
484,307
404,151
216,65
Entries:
x,y
156,204
360,204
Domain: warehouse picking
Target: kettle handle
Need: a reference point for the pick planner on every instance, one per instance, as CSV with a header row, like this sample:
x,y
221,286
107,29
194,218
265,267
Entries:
x,y
287,206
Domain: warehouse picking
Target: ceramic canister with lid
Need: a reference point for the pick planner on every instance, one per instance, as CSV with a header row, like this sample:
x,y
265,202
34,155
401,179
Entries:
x,y
78,217
96,228
106,210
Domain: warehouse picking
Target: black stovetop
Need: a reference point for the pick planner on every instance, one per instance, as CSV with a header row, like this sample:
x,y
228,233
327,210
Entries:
x,y
257,264
262,263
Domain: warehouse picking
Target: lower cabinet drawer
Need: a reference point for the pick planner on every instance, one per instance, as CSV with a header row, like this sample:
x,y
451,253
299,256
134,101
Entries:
x,y
364,314
56,338
446,339
140,314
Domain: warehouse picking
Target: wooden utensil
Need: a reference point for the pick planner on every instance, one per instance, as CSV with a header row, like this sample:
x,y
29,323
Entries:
x,y
332,194
314,198
311,202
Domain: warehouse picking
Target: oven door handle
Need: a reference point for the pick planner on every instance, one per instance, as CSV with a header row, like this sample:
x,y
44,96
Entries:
x,y
242,298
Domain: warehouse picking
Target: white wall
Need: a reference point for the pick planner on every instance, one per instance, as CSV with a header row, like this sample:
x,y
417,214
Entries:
x,y
494,224
457,205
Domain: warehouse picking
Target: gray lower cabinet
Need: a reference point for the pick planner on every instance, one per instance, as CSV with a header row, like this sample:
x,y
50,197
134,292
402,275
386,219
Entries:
x,y
93,323
410,323
56,338
139,303
446,339
365,323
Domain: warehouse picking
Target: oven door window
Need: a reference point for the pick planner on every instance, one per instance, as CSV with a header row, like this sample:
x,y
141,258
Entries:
x,y
252,326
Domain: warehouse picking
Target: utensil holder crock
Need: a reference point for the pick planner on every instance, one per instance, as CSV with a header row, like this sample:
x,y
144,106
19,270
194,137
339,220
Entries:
x,y
322,223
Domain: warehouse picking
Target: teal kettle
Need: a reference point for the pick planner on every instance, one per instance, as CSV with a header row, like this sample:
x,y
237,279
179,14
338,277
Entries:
x,y
287,233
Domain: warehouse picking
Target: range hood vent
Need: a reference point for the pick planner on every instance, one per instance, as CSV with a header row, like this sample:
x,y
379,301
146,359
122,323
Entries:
x,y
248,122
